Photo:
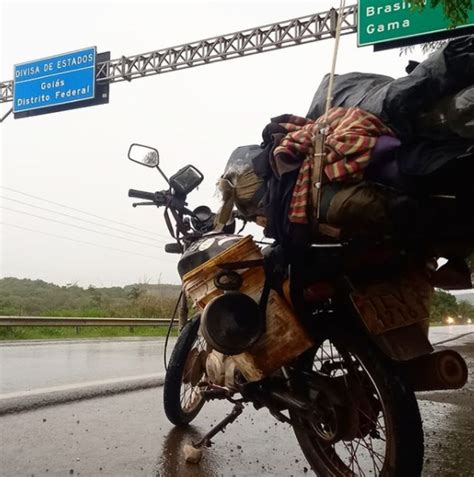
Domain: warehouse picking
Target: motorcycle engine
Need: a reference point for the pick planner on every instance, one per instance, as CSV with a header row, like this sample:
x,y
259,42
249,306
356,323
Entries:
x,y
220,369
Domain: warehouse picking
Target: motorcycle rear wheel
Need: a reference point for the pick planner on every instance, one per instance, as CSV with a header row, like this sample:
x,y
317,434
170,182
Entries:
x,y
182,396
380,432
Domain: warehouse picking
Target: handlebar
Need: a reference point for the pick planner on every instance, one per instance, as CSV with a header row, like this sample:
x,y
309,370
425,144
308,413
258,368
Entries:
x,y
159,198
188,223
141,194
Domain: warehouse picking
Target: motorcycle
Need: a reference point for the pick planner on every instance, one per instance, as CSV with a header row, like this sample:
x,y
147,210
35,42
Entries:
x,y
332,339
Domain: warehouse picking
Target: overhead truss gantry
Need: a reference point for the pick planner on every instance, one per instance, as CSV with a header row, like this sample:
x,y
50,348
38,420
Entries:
x,y
297,31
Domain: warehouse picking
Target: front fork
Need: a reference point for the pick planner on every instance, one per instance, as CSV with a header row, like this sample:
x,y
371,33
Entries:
x,y
182,310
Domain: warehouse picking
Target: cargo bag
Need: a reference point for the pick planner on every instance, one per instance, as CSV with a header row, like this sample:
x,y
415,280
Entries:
x,y
357,210
239,186
399,102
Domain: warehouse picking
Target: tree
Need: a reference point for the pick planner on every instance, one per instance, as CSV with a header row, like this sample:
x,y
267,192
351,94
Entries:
x,y
135,293
443,304
96,295
470,262
456,11
465,310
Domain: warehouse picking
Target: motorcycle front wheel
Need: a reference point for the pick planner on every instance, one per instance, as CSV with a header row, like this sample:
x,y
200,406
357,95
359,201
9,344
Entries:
x,y
375,429
182,395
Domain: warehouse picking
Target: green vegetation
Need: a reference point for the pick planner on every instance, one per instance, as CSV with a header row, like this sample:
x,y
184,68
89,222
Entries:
x,y
25,297
66,332
456,11
470,262
38,298
445,305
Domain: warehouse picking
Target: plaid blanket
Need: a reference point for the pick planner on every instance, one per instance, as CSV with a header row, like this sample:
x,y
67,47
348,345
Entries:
x,y
352,133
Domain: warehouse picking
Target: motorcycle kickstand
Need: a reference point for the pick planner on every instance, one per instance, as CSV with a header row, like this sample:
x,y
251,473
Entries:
x,y
193,451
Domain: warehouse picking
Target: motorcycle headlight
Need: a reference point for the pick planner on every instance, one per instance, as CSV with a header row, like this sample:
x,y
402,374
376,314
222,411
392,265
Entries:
x,y
232,323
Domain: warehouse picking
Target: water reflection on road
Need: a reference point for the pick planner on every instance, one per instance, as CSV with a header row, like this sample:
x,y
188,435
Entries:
x,y
32,366
171,462
129,435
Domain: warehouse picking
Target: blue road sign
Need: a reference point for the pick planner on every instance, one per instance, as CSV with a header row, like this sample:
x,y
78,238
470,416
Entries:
x,y
55,80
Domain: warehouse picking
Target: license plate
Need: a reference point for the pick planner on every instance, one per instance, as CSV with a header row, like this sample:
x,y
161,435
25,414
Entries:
x,y
394,304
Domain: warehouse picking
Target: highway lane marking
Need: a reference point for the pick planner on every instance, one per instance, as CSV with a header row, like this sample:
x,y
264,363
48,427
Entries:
x,y
78,386
85,341
34,399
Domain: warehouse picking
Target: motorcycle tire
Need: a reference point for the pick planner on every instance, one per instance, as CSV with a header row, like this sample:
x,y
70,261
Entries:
x,y
177,410
403,432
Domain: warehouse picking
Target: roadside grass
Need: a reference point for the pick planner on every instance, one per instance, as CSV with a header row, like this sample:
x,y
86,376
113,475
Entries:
x,y
65,332
79,332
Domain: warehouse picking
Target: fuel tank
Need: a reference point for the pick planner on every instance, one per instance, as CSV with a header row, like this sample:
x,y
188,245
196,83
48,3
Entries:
x,y
204,249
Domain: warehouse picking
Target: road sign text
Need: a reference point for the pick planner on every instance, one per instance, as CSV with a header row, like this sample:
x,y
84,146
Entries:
x,y
54,81
381,21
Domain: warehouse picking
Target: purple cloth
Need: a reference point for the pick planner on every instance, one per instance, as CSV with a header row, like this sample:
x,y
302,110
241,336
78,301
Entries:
x,y
383,165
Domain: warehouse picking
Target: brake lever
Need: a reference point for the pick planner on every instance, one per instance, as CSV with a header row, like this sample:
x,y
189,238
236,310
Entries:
x,y
136,204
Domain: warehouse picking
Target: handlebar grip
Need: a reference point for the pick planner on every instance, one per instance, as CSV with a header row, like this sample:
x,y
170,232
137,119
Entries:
x,y
160,198
141,194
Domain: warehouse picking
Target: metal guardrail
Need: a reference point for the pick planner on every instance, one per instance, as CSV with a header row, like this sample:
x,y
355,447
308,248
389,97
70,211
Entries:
x,y
79,321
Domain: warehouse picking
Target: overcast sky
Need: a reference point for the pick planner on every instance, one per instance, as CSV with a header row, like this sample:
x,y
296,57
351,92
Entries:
x,y
78,158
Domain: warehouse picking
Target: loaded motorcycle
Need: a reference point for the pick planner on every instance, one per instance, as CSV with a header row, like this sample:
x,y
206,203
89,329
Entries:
x,y
332,340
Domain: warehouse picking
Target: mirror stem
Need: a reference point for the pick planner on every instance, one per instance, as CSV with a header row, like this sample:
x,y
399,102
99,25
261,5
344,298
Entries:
x,y
163,174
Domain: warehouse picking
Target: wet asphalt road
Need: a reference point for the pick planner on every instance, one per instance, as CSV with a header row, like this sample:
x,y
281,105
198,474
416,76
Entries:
x,y
128,435
26,367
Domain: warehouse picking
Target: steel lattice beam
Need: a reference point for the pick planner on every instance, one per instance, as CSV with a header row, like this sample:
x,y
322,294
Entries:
x,y
220,48
6,91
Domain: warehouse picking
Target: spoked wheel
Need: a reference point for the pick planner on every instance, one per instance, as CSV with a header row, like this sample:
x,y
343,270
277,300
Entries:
x,y
368,424
182,395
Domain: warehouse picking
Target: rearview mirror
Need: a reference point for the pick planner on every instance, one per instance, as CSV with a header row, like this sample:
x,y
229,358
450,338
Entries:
x,y
185,180
144,155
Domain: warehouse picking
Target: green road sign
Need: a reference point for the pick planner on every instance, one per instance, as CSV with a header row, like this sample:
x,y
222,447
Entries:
x,y
381,20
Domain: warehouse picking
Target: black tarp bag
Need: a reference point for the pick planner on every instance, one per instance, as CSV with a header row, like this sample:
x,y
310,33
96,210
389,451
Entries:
x,y
399,102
